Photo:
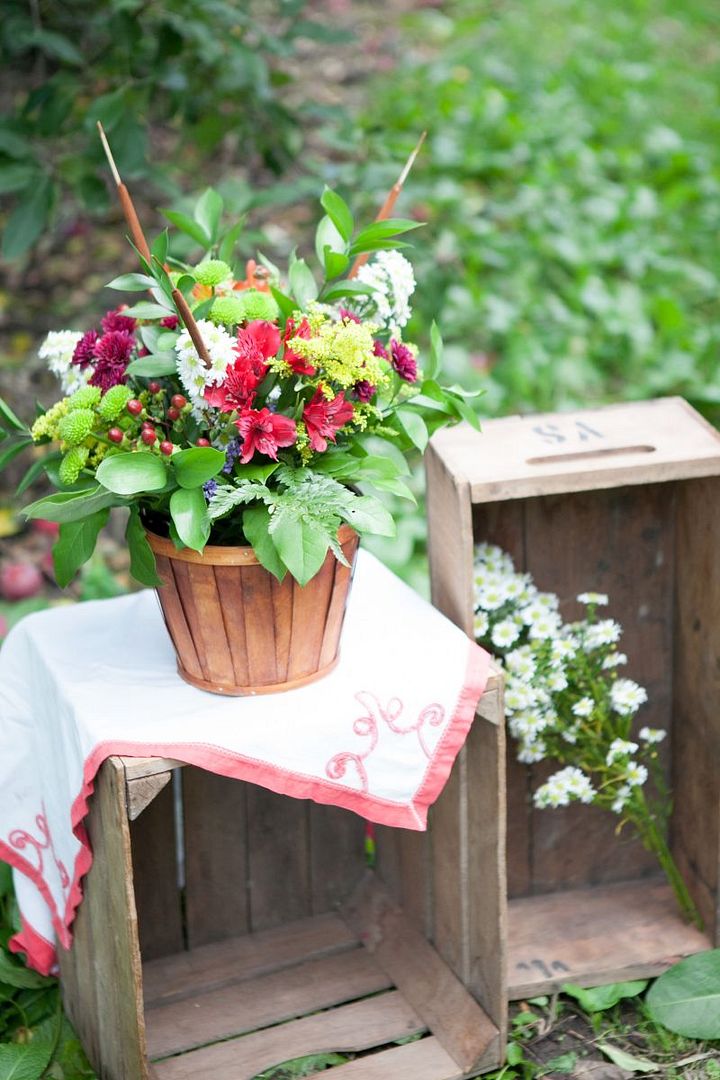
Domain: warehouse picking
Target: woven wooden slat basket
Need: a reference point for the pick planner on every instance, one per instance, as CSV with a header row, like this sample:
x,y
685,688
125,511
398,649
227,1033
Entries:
x,y
237,630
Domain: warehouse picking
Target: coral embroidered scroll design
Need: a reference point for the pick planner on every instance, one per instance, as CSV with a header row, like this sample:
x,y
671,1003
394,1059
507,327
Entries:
x,y
21,839
366,726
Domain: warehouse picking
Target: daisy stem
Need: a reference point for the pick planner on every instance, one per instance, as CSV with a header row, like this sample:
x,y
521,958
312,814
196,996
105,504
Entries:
x,y
655,842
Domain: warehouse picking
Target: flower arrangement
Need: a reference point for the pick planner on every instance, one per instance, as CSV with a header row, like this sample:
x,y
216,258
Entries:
x,y
567,703
239,406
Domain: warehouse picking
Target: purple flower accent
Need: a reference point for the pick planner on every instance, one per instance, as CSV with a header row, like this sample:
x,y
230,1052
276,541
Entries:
x,y
84,353
403,361
115,320
364,390
380,350
209,489
232,453
350,316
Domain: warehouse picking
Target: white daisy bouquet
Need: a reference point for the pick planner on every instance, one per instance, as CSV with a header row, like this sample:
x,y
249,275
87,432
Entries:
x,y
566,702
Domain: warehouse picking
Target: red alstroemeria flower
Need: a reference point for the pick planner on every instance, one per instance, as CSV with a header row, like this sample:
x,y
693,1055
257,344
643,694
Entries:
x,y
298,363
256,343
324,418
264,432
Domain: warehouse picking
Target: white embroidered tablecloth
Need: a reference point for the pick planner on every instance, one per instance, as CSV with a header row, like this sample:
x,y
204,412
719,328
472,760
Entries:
x,y
377,736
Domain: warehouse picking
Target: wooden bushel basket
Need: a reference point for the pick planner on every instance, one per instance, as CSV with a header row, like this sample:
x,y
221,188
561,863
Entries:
x,y
237,630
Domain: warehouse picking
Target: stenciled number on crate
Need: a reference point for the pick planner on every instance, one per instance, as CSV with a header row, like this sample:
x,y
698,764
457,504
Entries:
x,y
555,967
579,430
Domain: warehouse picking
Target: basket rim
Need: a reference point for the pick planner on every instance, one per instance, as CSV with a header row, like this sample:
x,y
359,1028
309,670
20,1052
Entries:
x,y
215,555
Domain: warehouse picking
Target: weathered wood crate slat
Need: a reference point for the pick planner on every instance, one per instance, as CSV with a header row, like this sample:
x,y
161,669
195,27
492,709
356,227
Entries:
x,y
226,929
623,500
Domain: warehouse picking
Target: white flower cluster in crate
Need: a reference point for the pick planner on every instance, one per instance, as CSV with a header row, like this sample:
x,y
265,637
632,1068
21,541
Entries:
x,y
391,277
563,699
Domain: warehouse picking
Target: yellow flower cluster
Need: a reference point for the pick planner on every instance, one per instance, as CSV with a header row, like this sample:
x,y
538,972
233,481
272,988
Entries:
x,y
46,426
302,443
341,352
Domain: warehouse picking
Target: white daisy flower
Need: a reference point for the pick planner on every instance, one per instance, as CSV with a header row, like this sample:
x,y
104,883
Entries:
x,y
563,648
557,681
623,794
570,735
532,752
613,660
57,350
194,376
519,695
626,696
504,634
636,775
620,748
391,276
652,735
597,598
583,707
480,624
521,663
605,632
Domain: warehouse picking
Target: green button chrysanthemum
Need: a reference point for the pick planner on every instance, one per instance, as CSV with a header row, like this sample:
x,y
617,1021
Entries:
x,y
227,311
257,305
72,464
114,401
84,398
212,272
74,428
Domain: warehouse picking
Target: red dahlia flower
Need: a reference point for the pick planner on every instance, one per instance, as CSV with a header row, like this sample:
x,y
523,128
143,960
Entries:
x,y
264,432
324,418
115,320
403,361
298,363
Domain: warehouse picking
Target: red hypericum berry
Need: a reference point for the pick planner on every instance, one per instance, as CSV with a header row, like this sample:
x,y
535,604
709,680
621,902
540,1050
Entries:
x,y
202,442
173,414
148,436
166,447
178,401
134,407
115,435
154,387
148,424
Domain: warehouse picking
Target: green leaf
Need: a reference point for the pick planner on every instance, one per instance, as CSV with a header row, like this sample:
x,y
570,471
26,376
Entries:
x,y
335,263
229,240
327,236
339,213
256,472
207,212
24,1061
142,557
11,446
256,524
414,427
71,505
131,283
346,287
189,227
190,517
15,974
599,998
368,515
562,1064
75,544
132,472
159,249
302,545
147,310
286,303
686,998
8,419
369,238
153,366
626,1061
193,467
56,45
302,283
17,177
436,352
28,219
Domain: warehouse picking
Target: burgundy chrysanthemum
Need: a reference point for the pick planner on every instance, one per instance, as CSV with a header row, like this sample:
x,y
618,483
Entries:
x,y
84,353
403,361
112,353
170,322
115,320
380,350
364,390
348,315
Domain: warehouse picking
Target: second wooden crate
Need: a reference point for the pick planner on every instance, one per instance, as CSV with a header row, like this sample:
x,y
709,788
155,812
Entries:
x,y
623,500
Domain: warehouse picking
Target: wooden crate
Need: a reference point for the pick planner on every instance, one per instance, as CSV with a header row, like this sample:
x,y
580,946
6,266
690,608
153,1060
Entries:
x,y
623,500
280,943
